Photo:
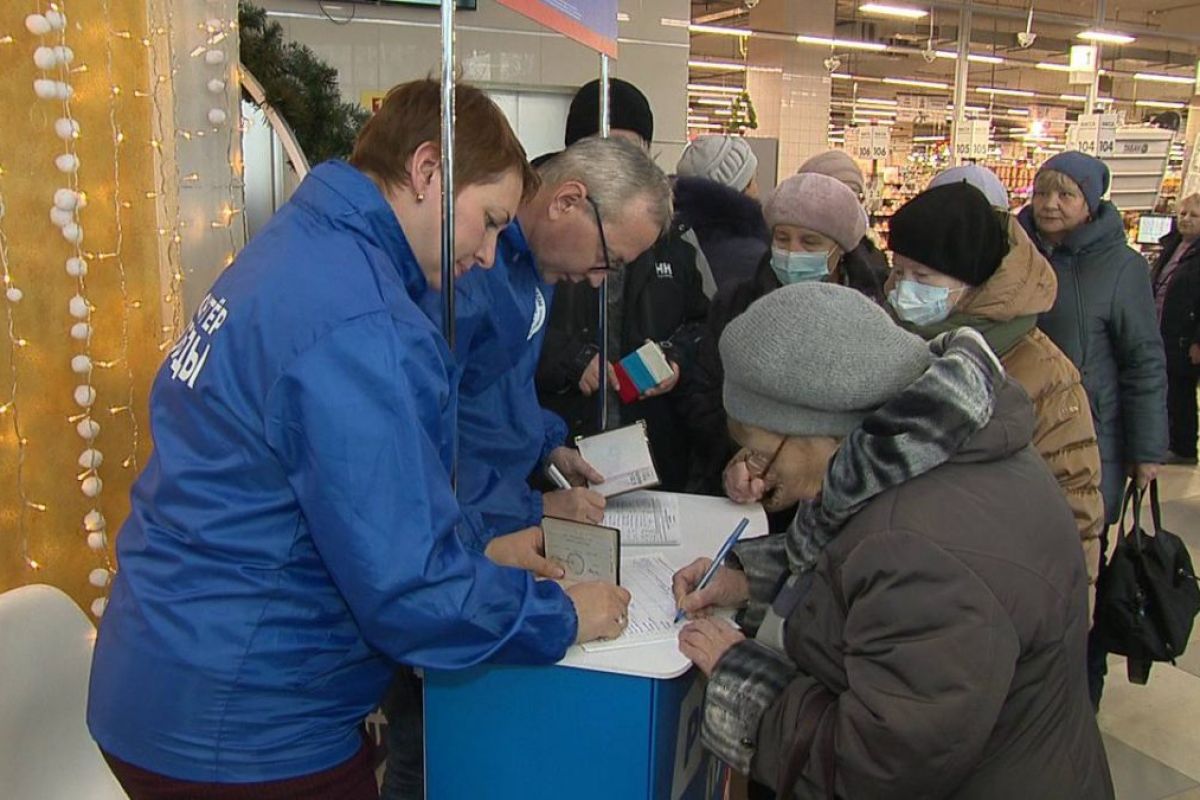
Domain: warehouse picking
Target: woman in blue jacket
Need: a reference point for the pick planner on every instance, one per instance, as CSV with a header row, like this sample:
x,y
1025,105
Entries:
x,y
293,535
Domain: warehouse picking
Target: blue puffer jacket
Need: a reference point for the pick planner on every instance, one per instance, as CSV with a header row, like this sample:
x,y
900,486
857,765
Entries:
x,y
1104,320
293,535
503,432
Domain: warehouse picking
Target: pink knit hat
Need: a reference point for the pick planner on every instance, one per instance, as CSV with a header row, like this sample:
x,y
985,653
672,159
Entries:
x,y
819,203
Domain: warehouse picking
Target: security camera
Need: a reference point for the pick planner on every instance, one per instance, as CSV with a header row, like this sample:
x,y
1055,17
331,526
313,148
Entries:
x,y
929,54
832,63
1025,39
750,4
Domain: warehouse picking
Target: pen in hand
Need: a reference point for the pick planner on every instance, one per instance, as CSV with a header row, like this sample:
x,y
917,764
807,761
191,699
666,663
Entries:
x,y
718,559
559,479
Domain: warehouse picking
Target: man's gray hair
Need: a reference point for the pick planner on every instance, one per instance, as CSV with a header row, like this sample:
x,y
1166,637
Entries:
x,y
616,173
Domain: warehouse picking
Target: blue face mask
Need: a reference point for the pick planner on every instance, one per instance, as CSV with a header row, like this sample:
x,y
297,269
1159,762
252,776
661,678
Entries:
x,y
799,266
919,303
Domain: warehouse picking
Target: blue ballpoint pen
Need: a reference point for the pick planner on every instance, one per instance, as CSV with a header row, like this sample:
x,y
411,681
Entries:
x,y
718,559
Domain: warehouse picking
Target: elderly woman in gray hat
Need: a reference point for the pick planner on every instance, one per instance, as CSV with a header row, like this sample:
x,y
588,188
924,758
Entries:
x,y
919,631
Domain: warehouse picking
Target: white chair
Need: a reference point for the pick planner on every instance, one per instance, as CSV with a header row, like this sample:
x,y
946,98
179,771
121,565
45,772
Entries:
x,y
46,751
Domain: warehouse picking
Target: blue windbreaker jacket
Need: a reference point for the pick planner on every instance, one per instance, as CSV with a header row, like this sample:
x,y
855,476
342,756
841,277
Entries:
x,y
293,535
504,433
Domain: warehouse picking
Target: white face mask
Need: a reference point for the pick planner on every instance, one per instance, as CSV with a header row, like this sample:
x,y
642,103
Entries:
x,y
919,303
797,266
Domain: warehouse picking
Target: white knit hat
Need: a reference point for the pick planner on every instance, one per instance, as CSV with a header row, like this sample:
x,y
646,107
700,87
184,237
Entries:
x,y
724,159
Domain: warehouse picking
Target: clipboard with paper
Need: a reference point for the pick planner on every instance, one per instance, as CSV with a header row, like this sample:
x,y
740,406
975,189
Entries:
x,y
622,456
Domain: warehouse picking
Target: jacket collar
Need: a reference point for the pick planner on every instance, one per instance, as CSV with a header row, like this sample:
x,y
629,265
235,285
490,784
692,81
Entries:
x,y
349,199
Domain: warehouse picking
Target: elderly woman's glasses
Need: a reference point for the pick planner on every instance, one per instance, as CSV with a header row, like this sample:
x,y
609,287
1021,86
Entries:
x,y
759,465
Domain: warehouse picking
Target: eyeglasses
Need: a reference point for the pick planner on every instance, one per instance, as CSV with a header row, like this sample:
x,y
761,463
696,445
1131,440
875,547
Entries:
x,y
759,465
608,267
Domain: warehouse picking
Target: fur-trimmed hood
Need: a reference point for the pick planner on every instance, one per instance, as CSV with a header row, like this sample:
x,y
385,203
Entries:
x,y
708,206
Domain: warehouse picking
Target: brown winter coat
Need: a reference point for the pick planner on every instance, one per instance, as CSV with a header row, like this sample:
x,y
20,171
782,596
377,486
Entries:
x,y
939,649
1022,287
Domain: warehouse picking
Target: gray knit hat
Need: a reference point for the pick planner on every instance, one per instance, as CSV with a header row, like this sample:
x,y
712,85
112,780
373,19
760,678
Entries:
x,y
836,164
819,203
813,359
721,158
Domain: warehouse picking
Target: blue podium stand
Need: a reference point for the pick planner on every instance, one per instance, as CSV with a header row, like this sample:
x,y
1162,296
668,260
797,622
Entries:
x,y
619,724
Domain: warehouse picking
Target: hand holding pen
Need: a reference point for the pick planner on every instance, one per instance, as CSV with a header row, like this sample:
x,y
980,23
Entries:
x,y
704,583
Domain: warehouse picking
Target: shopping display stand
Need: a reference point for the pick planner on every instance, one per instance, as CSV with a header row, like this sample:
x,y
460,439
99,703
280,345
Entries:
x,y
621,723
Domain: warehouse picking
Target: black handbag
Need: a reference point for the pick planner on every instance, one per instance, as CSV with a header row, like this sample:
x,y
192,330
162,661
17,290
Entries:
x,y
1147,596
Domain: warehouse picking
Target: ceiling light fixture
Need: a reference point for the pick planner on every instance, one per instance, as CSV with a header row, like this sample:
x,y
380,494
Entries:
x,y
1161,78
992,90
889,10
919,84
711,88
977,57
729,66
1159,104
876,101
720,30
849,44
1107,37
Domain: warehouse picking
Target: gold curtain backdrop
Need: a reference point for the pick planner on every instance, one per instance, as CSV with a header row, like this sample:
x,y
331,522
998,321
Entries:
x,y
49,464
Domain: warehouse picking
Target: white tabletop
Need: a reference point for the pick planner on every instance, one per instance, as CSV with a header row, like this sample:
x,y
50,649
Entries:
x,y
706,522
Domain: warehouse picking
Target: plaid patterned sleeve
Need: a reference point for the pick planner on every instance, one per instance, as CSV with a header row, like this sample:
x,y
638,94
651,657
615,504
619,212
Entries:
x,y
765,562
746,682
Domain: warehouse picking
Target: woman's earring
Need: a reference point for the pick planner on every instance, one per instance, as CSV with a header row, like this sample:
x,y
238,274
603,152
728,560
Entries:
x,y
420,197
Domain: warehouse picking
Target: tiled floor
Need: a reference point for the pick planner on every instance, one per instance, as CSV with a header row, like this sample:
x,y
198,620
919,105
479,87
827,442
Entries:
x,y
1152,732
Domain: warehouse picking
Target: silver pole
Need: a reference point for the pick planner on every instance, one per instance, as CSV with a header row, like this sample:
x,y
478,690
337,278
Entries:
x,y
448,170
960,81
1094,87
448,199
602,294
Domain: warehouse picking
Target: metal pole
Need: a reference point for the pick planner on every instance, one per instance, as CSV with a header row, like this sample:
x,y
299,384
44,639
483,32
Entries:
x,y
448,198
960,81
448,171
602,294
1094,87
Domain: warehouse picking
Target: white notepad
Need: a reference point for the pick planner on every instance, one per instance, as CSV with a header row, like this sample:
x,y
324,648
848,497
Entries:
x,y
651,605
622,456
650,518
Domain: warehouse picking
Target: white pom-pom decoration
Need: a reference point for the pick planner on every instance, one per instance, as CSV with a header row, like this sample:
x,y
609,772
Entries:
x,y
213,57
45,58
66,162
76,267
63,90
78,306
66,199
37,25
72,232
45,89
91,485
97,540
57,20
81,364
99,577
85,395
66,128
216,86
61,218
87,429
216,116
94,521
64,54
14,294
81,331
98,606
91,458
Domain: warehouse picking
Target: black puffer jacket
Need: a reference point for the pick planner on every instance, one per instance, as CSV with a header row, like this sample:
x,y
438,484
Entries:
x,y
663,301
1104,320
1180,324
860,269
729,225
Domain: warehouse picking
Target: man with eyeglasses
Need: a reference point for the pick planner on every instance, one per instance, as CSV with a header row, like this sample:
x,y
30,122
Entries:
x,y
658,296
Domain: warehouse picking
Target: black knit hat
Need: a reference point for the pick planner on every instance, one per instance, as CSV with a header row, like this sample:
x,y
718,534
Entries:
x,y
628,110
953,229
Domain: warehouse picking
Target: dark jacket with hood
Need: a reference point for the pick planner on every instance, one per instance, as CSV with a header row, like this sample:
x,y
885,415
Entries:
x,y
662,300
1180,323
1104,320
729,226
859,269
937,648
